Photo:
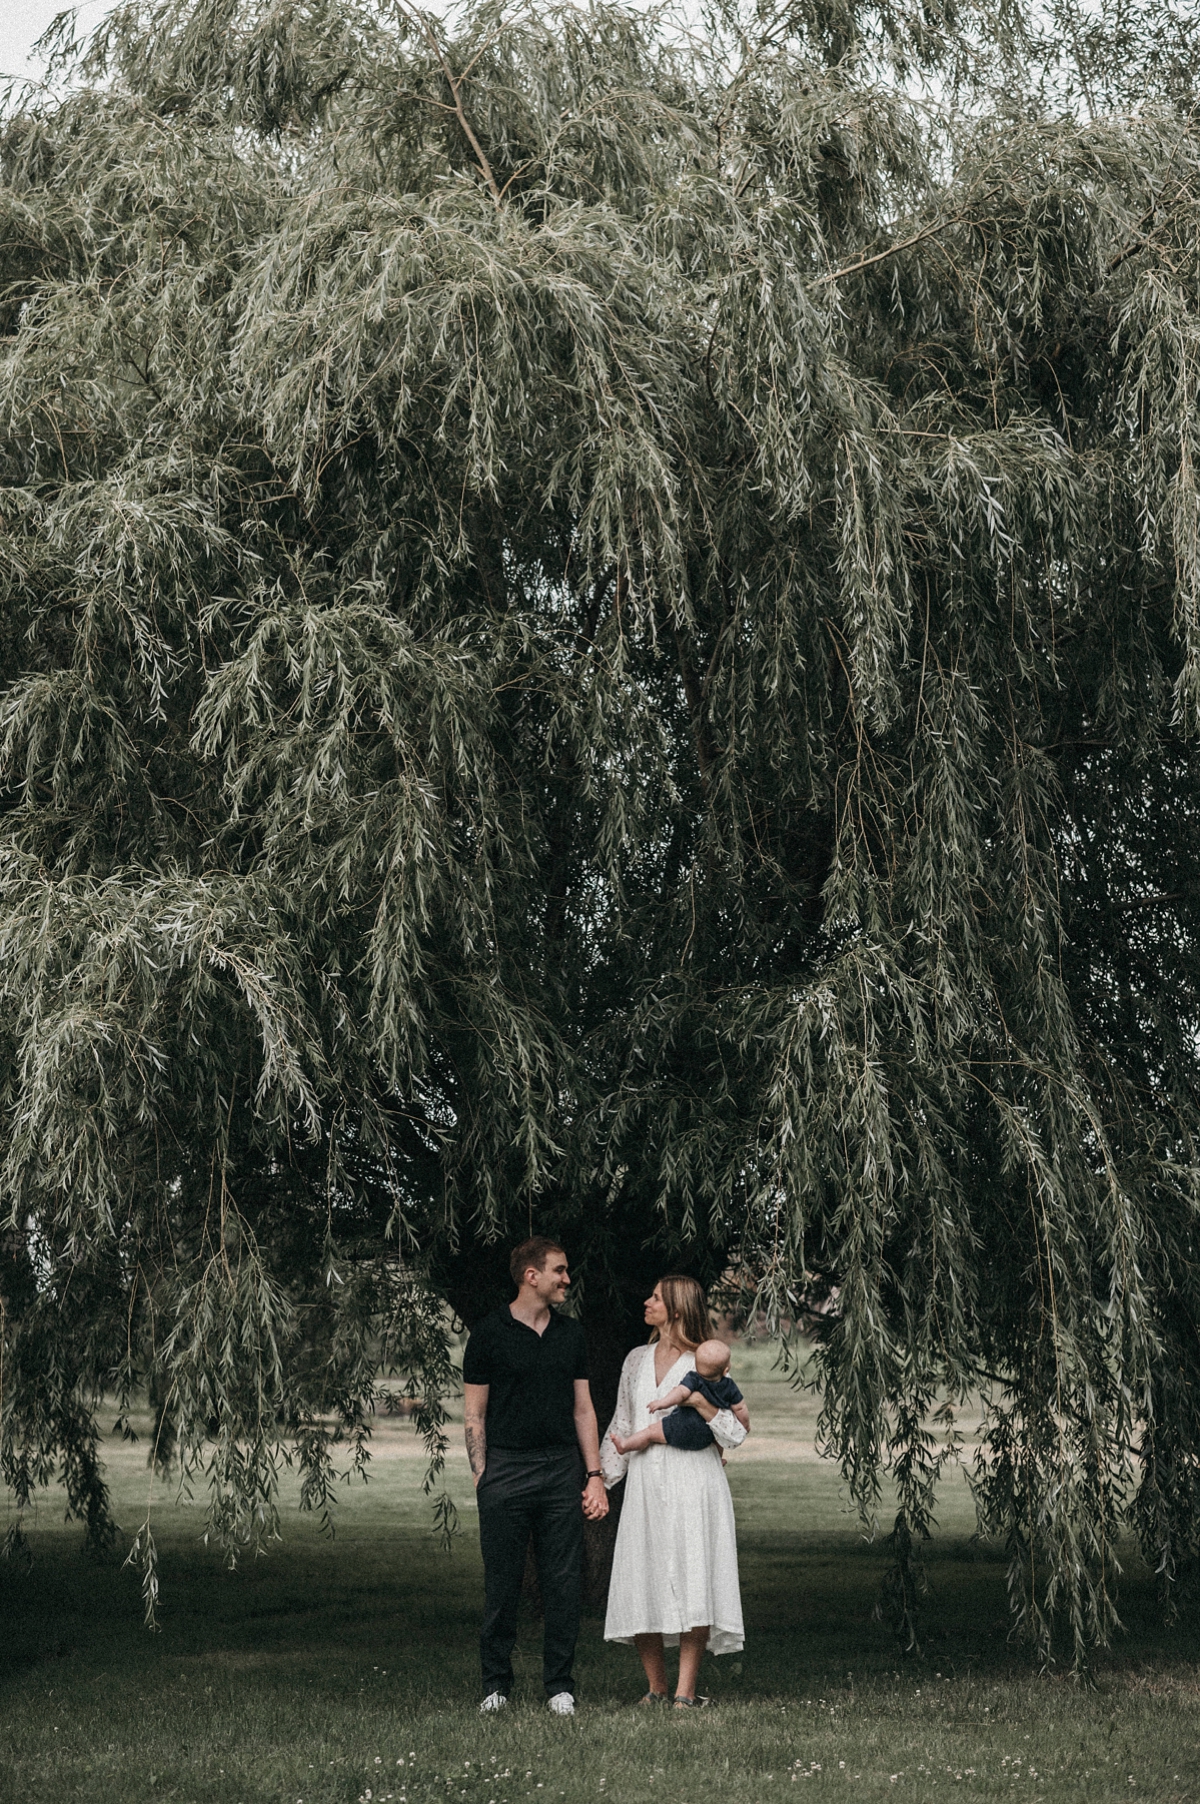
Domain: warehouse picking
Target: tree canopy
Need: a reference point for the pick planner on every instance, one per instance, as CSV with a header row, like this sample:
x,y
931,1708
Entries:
x,y
601,634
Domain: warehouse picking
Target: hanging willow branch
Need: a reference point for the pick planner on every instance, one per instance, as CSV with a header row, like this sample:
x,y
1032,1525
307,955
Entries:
x,y
577,715
427,30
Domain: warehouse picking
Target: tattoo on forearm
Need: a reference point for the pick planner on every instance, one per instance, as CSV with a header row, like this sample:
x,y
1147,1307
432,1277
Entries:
x,y
477,1447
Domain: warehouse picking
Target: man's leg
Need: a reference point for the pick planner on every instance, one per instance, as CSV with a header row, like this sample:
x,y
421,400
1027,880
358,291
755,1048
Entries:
x,y
507,1498
558,1549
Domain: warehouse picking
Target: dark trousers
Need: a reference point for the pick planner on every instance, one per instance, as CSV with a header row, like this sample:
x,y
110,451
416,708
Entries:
x,y
687,1428
524,1492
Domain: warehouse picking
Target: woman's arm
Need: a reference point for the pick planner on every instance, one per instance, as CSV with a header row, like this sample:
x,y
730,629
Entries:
x,y
727,1428
613,1464
737,1411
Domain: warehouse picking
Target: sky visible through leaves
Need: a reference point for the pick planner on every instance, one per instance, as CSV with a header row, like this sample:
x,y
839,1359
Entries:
x,y
22,23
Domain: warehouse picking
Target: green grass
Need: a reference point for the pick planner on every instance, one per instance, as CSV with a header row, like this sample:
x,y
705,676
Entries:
x,y
313,1674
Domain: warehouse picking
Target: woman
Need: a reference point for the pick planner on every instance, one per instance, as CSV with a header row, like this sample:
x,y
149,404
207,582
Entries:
x,y
674,1577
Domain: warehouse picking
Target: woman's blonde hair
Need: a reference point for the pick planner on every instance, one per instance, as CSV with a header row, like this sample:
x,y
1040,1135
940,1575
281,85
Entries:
x,y
687,1310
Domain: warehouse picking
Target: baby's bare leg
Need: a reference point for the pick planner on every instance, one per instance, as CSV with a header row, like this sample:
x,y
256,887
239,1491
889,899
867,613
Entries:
x,y
645,1437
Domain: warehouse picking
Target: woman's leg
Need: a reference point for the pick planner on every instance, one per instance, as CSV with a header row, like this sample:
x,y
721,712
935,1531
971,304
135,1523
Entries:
x,y
691,1649
650,1648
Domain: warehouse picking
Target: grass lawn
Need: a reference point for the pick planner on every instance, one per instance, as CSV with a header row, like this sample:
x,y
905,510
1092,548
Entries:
x,y
326,1674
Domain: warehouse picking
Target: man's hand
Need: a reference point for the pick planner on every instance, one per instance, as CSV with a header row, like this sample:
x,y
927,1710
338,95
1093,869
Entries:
x,y
595,1500
595,1497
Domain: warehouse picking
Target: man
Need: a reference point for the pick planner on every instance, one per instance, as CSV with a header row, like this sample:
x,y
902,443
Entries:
x,y
529,1418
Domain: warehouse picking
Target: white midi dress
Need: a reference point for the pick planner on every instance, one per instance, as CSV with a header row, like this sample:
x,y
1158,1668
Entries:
x,y
675,1562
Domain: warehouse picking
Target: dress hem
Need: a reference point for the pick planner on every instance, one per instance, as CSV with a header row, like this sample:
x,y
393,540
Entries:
x,y
720,1642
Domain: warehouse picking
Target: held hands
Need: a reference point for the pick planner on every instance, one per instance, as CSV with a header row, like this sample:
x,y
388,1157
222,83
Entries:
x,y
595,1500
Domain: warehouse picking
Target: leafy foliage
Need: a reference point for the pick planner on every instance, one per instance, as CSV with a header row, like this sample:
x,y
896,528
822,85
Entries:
x,y
601,632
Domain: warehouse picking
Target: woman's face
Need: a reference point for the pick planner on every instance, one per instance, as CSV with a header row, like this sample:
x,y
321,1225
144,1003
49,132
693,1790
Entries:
x,y
656,1309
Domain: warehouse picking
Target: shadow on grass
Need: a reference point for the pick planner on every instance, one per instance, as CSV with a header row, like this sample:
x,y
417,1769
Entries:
x,y
345,1673
383,1599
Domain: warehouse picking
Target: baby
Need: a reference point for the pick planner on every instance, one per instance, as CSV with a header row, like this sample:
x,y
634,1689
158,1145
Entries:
x,y
685,1428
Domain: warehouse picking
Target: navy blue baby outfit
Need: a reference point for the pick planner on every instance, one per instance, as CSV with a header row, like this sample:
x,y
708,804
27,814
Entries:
x,y
686,1427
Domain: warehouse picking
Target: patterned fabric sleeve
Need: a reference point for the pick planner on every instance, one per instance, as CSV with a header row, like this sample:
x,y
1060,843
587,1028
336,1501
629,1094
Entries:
x,y
727,1431
613,1465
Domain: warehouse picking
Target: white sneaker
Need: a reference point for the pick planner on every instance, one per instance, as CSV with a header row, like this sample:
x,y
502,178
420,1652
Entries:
x,y
561,1704
495,1700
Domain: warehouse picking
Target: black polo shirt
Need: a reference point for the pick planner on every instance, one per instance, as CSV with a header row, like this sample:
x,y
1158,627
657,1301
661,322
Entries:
x,y
531,1400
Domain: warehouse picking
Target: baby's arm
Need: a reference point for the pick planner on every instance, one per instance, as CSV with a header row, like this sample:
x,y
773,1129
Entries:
x,y
673,1399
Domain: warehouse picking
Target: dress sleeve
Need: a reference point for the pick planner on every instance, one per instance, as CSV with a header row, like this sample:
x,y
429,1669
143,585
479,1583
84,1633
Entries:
x,y
727,1431
613,1465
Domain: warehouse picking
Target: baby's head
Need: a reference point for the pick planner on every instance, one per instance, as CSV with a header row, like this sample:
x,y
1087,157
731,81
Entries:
x,y
711,1359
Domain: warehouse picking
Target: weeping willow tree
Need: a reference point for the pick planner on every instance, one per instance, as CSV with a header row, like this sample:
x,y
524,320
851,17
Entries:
x,y
602,634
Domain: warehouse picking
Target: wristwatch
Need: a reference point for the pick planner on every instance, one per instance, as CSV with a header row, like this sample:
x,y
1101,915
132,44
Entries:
x,y
595,1475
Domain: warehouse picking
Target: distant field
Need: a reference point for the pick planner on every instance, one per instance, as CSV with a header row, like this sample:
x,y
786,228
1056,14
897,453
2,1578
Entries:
x,y
326,1674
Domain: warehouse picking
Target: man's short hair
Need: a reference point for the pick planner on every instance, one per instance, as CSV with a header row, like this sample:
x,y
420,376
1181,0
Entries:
x,y
533,1252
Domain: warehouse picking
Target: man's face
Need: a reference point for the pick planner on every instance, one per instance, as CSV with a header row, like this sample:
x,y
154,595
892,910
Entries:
x,y
552,1281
